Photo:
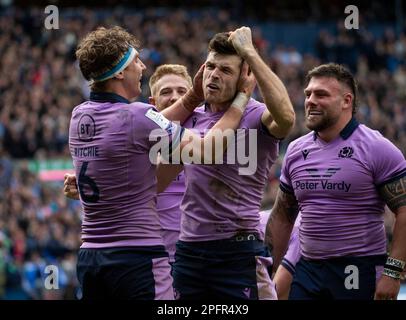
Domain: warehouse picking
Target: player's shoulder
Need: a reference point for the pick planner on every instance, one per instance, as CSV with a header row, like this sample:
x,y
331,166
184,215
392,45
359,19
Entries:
x,y
252,116
139,108
367,132
80,107
371,138
296,148
144,112
301,142
254,106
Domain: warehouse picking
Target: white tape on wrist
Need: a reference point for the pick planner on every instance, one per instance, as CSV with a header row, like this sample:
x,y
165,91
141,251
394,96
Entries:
x,y
240,101
399,264
390,273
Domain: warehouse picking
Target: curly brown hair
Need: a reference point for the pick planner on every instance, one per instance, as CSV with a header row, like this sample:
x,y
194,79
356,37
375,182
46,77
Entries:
x,y
100,50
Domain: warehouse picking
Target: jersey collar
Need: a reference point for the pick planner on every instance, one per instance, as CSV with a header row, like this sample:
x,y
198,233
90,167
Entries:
x,y
347,130
107,97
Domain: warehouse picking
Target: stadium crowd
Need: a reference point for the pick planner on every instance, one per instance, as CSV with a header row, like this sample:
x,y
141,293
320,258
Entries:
x,y
40,84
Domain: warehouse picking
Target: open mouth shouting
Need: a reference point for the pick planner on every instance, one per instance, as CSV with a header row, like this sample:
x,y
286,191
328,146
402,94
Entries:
x,y
212,87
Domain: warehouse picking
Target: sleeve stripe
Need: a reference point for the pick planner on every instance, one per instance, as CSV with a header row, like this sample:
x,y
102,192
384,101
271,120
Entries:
x,y
265,130
397,176
289,266
286,188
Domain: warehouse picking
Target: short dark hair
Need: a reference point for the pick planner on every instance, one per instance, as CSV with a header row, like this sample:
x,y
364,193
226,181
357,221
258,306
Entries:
x,y
339,72
220,44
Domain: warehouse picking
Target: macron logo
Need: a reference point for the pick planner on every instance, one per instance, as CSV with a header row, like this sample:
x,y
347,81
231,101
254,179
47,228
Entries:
x,y
194,120
247,292
305,153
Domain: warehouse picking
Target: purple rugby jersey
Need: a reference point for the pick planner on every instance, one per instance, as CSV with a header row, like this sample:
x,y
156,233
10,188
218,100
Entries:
x,y
168,206
263,220
336,185
219,202
293,253
110,143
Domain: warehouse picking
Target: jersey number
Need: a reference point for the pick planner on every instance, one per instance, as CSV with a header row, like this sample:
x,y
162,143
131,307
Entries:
x,y
86,180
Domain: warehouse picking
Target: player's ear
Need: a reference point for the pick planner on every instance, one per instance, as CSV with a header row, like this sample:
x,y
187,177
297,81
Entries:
x,y
119,75
151,100
348,100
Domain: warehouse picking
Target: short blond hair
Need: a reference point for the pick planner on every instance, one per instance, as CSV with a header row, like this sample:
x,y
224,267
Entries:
x,y
100,50
165,69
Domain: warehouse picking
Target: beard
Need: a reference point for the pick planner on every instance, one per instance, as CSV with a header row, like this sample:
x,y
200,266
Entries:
x,y
324,122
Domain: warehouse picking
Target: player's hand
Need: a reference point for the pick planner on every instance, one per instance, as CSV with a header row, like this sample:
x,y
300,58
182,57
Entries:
x,y
387,288
241,39
246,82
198,83
70,189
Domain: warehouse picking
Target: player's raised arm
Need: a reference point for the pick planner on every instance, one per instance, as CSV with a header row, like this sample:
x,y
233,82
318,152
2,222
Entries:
x,y
279,117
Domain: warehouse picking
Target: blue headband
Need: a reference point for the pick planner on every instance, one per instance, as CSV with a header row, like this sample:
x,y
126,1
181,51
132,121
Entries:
x,y
121,65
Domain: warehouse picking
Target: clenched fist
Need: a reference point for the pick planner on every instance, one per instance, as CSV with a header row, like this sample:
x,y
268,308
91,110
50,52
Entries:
x,y
70,189
241,39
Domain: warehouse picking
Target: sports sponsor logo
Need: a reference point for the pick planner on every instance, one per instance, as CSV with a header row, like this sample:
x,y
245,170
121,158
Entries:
x,y
322,184
322,173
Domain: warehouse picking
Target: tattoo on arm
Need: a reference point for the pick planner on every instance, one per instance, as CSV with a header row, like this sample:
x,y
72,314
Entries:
x,y
285,208
268,233
394,193
287,205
